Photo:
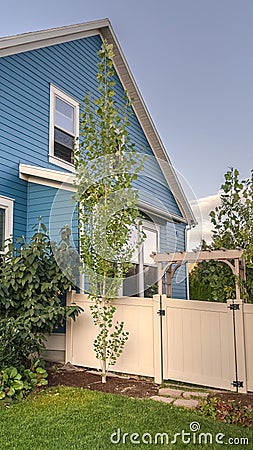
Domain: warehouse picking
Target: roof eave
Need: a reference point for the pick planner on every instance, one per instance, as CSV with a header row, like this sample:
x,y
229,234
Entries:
x,y
38,39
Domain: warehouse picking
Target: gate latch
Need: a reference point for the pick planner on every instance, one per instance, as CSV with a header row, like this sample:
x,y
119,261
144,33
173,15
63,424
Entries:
x,y
234,306
161,312
237,384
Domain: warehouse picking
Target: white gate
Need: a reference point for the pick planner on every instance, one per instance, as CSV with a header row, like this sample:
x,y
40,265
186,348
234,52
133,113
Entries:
x,y
198,343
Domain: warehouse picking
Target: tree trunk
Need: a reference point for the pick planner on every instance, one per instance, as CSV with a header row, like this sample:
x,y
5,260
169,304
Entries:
x,y
103,375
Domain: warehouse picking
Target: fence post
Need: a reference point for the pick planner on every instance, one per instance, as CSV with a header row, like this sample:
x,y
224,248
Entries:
x,y
237,322
157,344
69,331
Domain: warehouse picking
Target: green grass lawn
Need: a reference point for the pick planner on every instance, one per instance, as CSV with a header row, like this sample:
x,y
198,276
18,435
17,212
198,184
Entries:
x,y
71,418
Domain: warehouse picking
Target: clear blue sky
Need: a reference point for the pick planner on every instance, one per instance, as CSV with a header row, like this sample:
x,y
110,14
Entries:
x,y
193,62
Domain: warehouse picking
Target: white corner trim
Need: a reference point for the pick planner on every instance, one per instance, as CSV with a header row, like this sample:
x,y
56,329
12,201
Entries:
x,y
6,203
47,177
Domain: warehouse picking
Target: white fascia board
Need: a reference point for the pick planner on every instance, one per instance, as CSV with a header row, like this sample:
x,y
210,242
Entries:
x,y
163,214
38,39
47,177
64,180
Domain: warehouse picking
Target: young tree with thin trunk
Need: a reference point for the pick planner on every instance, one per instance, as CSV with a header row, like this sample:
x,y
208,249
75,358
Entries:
x,y
106,164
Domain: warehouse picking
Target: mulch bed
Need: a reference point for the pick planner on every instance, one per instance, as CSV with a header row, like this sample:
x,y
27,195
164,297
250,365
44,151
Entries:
x,y
134,386
243,399
68,375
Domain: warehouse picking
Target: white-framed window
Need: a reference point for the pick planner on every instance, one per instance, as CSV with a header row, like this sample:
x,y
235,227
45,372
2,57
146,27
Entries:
x,y
141,279
6,220
64,128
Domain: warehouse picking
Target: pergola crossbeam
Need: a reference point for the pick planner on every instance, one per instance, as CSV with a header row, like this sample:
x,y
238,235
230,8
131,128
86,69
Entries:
x,y
174,260
205,255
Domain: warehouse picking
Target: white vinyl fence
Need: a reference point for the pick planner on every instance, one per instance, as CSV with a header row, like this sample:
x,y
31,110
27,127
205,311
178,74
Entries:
x,y
197,342
248,335
139,352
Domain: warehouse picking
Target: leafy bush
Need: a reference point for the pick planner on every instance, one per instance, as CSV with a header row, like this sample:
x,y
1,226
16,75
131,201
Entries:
x,y
11,384
229,411
16,342
34,377
33,275
15,384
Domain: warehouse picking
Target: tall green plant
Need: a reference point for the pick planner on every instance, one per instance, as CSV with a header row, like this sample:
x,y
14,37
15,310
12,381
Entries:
x,y
232,220
233,223
106,164
31,282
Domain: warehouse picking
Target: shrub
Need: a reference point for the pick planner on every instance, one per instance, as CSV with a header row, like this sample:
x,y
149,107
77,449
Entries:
x,y
16,383
16,342
229,411
33,275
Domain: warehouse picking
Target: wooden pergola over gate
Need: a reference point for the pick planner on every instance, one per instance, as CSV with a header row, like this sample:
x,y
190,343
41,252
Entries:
x,y
172,261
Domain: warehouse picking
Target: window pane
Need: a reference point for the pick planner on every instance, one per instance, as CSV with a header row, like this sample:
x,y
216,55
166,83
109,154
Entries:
x,y
150,281
64,115
2,226
63,138
63,153
133,241
63,146
130,283
149,246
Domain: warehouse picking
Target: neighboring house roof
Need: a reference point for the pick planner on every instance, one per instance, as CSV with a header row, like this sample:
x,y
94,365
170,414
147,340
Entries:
x,y
34,40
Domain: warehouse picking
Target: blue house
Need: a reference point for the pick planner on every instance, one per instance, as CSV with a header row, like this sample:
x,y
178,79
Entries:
x,y
44,76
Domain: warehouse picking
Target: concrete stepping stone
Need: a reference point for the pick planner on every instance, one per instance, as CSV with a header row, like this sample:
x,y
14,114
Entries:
x,y
170,392
195,394
186,403
157,398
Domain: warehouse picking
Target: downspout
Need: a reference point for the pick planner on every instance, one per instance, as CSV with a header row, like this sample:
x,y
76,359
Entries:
x,y
186,240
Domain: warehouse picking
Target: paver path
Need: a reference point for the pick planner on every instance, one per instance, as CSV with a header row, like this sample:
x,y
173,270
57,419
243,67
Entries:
x,y
179,397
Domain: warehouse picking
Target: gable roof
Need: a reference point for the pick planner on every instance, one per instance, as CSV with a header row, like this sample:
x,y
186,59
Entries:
x,y
38,39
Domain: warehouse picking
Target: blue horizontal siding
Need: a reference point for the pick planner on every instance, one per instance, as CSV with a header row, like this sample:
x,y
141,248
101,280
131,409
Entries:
x,y
24,127
56,208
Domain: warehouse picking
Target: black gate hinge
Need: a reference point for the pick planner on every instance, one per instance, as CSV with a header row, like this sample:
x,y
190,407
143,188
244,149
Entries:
x,y
234,306
237,384
161,312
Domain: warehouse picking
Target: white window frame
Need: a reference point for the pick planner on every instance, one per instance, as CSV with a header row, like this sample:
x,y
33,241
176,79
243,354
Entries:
x,y
7,204
146,225
56,92
152,227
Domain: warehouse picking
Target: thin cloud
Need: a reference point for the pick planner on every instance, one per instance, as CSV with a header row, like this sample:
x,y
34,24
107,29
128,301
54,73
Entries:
x,y
203,230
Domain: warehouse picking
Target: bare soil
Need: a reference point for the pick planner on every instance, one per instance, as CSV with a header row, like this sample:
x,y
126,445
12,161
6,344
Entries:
x,y
68,375
130,386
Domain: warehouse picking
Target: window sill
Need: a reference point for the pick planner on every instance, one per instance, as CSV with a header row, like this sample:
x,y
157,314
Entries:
x,y
60,163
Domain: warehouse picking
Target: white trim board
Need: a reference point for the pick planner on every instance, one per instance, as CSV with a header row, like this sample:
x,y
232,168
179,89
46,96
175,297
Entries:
x,y
65,181
47,177
45,38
